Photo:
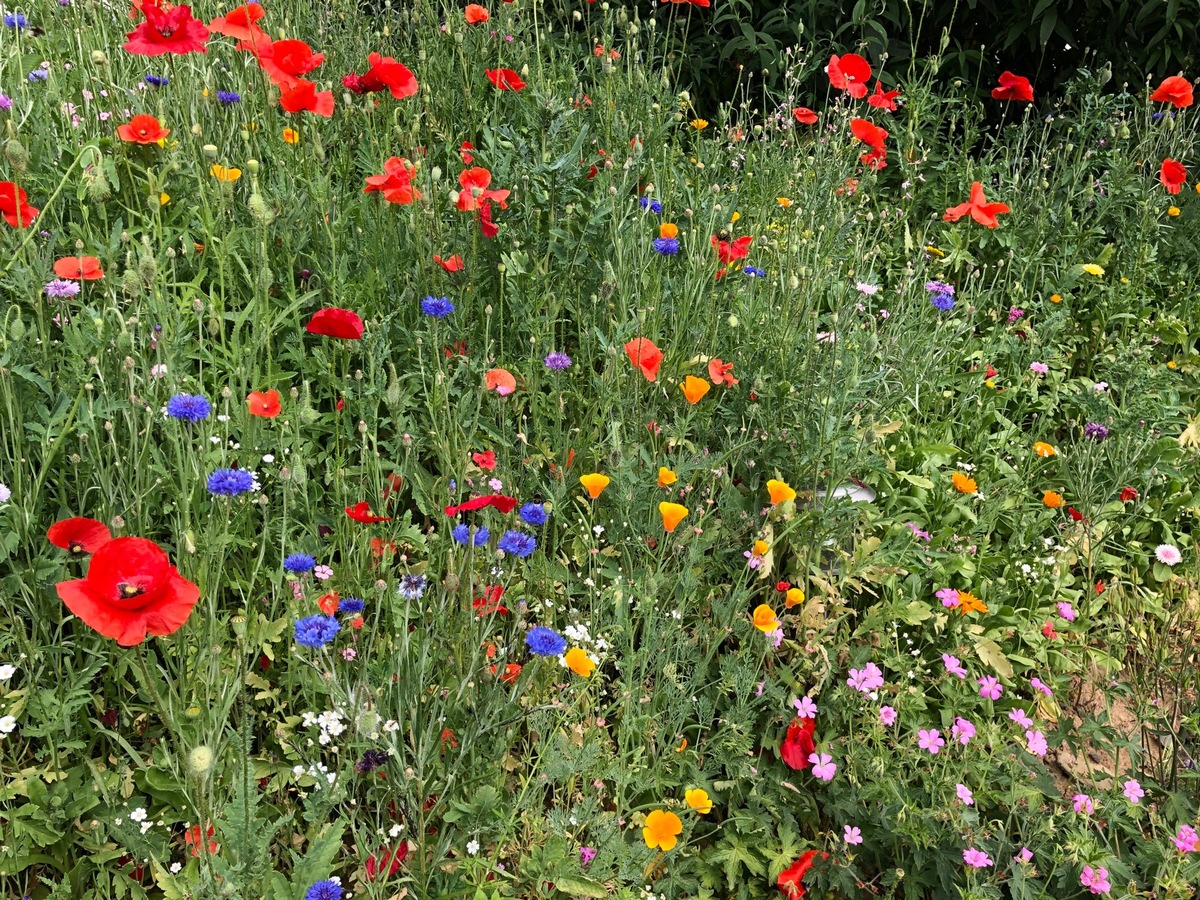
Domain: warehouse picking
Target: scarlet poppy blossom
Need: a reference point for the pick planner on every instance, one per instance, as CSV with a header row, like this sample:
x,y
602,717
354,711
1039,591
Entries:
x,y
142,129
1176,90
475,192
1172,175
869,133
474,14
194,841
804,115
501,381
464,151
489,604
131,590
451,263
241,24
264,404
485,460
167,31
79,536
13,206
1013,87
1127,494
798,744
285,61
489,228
645,356
334,322
385,74
979,209
78,268
500,502
361,512
790,879
386,862
395,183
849,73
728,251
305,97
505,79
882,99
721,372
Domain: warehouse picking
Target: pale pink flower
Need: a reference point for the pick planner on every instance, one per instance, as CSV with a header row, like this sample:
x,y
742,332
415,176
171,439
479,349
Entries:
x,y
1133,792
887,716
964,794
976,859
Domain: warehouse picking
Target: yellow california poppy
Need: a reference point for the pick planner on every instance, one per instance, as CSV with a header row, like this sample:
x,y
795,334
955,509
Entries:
x,y
662,830
780,491
794,597
698,799
672,515
222,173
1041,448
579,662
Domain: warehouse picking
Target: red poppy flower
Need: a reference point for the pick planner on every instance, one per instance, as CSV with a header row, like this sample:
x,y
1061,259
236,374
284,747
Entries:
x,y
449,741
13,207
512,671
489,604
387,74
79,536
790,878
474,14
1013,87
379,547
1048,630
645,356
386,862
264,404
978,208
395,183
240,24
882,99
474,183
335,322
501,381
131,590
849,73
869,133
465,152
727,252
194,841
798,744
78,268
328,602
167,31
804,115
450,264
721,372
1127,494
305,97
489,228
876,160
485,460
285,61
1176,90
395,483
1173,175
1076,515
501,502
361,512
505,79
142,129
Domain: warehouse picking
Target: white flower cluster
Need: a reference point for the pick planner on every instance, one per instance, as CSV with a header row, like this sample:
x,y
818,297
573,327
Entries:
x,y
330,723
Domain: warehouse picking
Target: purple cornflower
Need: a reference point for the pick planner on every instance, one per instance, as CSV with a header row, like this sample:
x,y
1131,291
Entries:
x,y
1095,431
228,98
438,307
557,361
157,80
60,287
666,246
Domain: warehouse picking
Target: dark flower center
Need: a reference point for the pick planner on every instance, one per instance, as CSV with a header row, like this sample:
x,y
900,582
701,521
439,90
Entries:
x,y
129,591
75,548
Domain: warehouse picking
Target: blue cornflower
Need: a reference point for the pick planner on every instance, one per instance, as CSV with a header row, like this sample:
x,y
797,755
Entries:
x,y
412,587
517,543
351,605
316,631
188,407
298,563
543,641
666,246
157,80
15,20
438,307
231,482
39,74
557,361
228,97
324,890
462,534
653,205
944,302
754,272
533,514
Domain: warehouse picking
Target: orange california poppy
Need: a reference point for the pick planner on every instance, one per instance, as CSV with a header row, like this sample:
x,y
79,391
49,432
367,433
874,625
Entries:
x,y
501,381
666,476
694,388
594,483
672,514
662,830
79,268
780,491
142,129
647,357
1041,448
765,619
264,403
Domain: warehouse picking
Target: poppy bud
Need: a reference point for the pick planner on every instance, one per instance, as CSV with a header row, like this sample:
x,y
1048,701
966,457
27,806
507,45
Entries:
x,y
17,155
252,166
196,129
98,57
200,759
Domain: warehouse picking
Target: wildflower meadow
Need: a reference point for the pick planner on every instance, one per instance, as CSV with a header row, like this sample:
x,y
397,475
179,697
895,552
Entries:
x,y
443,456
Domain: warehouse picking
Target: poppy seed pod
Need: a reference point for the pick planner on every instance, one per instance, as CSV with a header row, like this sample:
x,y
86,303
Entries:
x,y
209,150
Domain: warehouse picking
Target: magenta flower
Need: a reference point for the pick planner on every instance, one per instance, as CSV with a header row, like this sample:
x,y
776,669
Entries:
x,y
1095,880
852,835
929,739
867,679
976,859
1066,610
805,708
949,597
1024,856
1038,684
990,688
823,766
1035,743
1133,792
964,794
887,716
1083,804
953,665
962,731
1186,840
1018,715
1039,368
917,532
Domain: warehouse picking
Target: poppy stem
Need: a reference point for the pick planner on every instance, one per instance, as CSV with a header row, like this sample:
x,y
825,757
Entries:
x,y
31,231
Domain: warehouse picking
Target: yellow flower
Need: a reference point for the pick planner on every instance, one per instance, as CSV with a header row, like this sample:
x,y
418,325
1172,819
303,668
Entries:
x,y
1093,269
1052,499
672,514
291,136
662,830
694,388
579,662
594,483
964,484
794,597
783,201
1041,448
666,476
1172,211
780,492
164,198
761,548
1056,298
935,251
221,173
698,799
765,619
699,124
1171,364
667,230
734,218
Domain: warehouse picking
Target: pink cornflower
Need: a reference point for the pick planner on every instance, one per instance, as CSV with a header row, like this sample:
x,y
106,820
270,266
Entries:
x,y
1095,880
990,688
1133,792
887,716
1168,554
1083,804
1035,743
962,731
1186,840
929,739
868,679
953,665
852,835
949,597
1039,368
823,766
1018,715
964,794
976,859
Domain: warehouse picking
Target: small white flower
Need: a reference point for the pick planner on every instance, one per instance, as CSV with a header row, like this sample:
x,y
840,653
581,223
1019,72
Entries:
x,y
395,830
7,672
138,815
268,458
391,726
222,418
472,847
176,868
7,724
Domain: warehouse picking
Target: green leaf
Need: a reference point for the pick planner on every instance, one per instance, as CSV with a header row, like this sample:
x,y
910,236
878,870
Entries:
x,y
577,886
318,861
990,654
